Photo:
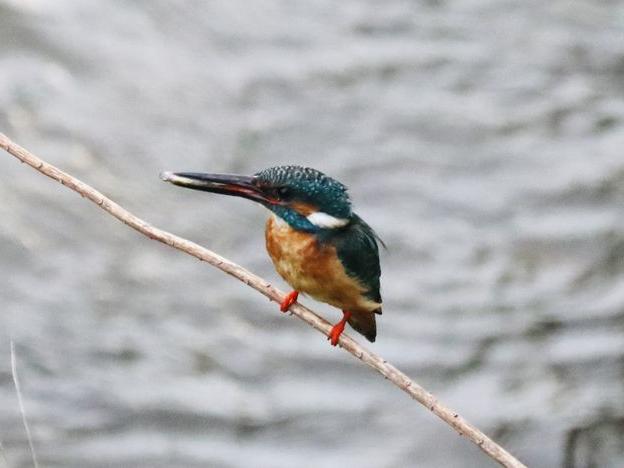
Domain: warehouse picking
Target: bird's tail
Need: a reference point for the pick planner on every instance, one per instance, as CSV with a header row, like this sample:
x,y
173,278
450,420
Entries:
x,y
364,323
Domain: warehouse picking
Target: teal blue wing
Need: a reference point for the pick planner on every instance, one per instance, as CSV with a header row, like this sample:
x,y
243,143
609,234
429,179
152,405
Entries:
x,y
357,249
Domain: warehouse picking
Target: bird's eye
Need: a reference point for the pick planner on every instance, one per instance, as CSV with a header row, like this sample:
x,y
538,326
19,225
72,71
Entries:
x,y
284,192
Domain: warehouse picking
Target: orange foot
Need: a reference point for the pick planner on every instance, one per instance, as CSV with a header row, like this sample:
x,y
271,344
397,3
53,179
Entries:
x,y
336,331
289,300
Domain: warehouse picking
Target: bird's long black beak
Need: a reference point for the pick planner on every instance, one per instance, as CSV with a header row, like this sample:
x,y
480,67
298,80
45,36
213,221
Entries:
x,y
227,184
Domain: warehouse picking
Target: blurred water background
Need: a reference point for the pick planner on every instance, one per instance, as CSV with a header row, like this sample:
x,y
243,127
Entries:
x,y
482,139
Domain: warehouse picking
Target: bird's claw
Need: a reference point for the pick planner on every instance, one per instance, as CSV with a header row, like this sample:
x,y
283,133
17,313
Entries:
x,y
334,334
336,331
289,300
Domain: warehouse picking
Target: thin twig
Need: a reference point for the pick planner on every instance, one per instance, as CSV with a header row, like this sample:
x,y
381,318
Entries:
x,y
386,369
18,390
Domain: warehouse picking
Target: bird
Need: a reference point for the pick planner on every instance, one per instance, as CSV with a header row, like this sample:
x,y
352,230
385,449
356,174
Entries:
x,y
318,245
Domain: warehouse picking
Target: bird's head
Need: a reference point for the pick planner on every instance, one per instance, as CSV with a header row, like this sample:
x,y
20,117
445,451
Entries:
x,y
305,198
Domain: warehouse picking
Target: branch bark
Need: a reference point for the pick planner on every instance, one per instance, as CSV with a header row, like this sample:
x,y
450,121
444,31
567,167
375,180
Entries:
x,y
391,373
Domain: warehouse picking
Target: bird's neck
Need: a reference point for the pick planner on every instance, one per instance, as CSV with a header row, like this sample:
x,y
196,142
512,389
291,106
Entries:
x,y
314,223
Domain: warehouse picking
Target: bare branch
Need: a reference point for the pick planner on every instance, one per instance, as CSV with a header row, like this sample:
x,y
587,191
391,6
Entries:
x,y
398,378
20,401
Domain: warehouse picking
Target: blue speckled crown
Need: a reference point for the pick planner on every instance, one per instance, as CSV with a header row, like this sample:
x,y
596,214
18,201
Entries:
x,y
310,186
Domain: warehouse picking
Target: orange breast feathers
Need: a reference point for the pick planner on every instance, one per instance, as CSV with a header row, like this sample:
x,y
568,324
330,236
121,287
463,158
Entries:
x,y
313,268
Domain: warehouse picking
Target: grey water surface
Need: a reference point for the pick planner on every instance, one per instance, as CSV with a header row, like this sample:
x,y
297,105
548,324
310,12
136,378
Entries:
x,y
483,140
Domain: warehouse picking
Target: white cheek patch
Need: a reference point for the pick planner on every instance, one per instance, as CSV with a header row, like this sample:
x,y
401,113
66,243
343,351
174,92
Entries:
x,y
325,221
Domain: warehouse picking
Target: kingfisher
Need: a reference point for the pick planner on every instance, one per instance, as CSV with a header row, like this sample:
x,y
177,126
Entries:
x,y
318,245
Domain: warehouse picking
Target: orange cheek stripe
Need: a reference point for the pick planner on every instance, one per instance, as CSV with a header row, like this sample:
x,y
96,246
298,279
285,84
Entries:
x,y
303,208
